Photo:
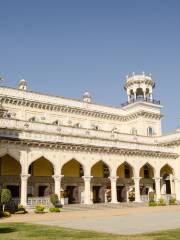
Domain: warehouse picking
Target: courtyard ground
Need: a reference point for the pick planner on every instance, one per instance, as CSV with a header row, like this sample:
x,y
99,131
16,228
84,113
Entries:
x,y
117,221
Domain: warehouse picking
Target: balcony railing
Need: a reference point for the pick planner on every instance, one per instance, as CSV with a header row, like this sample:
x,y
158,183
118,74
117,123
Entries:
x,y
141,99
33,201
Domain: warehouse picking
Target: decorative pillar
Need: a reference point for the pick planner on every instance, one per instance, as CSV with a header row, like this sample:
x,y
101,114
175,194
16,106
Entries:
x,y
113,189
158,187
135,96
87,189
24,180
151,96
57,185
177,188
137,189
144,94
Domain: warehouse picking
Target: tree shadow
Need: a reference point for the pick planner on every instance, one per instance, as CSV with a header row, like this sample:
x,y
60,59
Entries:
x,y
7,230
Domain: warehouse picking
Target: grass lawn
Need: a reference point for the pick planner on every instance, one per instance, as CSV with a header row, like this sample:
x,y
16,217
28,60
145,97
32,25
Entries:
x,y
22,231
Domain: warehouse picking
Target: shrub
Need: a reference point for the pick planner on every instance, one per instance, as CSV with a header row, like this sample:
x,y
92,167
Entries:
x,y
54,199
152,204
172,201
20,209
6,214
39,208
5,197
161,202
54,209
151,196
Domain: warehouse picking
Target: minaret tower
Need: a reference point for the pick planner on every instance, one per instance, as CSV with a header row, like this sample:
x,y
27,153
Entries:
x,y
139,87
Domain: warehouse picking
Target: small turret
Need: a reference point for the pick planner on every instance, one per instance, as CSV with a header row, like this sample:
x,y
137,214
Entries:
x,y
87,97
22,84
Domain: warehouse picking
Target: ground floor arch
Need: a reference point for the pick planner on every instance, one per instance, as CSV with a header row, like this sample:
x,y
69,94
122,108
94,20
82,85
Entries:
x,y
40,180
125,174
167,180
10,170
72,186
147,182
100,182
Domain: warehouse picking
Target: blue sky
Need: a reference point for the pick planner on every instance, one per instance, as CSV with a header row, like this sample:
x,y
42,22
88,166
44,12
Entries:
x,y
66,47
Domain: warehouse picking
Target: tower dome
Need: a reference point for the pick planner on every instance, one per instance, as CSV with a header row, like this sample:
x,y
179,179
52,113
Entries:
x,y
139,87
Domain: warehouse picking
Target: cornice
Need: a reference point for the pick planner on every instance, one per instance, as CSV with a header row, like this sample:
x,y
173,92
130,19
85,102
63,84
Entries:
x,y
90,149
78,110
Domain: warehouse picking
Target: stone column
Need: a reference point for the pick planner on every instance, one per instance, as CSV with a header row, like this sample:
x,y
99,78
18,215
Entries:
x,y
57,185
144,94
87,189
137,189
113,189
158,187
177,188
151,96
24,180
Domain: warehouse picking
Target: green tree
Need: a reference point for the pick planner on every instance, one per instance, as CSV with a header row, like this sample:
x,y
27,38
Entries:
x,y
5,197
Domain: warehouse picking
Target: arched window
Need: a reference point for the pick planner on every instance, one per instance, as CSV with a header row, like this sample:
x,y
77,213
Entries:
x,y
150,131
139,93
133,131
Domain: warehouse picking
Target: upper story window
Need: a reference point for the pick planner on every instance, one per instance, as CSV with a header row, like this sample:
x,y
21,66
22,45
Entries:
x,y
95,127
78,125
32,119
133,131
150,131
115,130
56,123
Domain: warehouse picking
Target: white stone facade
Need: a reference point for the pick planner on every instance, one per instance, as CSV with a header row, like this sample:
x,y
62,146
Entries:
x,y
39,126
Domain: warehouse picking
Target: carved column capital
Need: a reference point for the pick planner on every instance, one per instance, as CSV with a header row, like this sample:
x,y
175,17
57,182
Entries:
x,y
57,177
25,176
113,178
87,178
136,179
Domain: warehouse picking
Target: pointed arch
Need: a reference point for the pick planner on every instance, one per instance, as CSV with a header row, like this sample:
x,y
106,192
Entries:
x,y
126,170
41,167
101,169
167,168
147,171
13,154
72,168
9,166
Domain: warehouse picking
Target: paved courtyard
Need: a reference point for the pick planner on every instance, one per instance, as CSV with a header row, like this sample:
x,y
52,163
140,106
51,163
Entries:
x,y
119,221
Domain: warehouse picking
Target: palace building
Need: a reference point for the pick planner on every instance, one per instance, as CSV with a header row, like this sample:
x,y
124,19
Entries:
x,y
85,152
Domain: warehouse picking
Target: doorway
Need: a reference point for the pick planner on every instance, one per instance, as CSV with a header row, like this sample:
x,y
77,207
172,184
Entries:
x,y
70,194
96,198
121,193
14,190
